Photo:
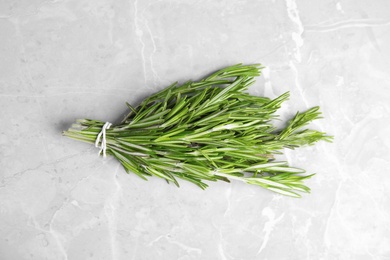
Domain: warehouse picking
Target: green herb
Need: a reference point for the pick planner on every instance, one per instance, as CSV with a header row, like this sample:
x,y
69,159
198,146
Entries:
x,y
207,131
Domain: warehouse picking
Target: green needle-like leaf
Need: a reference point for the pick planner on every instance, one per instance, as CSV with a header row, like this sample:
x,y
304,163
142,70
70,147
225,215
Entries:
x,y
207,131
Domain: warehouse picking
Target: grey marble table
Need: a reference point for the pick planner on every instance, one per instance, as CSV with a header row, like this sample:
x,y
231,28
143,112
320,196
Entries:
x,y
67,59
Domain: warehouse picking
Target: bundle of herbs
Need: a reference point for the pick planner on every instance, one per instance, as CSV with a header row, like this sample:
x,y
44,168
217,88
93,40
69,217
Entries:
x,y
208,130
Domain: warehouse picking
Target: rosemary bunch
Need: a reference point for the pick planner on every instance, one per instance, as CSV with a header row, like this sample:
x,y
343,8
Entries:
x,y
207,131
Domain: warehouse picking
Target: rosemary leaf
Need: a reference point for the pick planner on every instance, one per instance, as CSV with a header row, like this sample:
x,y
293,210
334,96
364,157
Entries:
x,y
208,130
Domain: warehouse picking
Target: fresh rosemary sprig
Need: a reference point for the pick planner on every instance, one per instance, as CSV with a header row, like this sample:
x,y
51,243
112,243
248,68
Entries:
x,y
207,131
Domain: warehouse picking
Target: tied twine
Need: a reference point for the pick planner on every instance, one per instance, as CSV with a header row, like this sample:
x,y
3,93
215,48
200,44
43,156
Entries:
x,y
102,135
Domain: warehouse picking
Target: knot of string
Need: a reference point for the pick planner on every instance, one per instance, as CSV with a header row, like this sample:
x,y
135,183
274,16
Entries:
x,y
102,135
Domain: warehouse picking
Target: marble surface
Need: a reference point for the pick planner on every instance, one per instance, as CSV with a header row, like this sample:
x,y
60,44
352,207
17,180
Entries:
x,y
68,59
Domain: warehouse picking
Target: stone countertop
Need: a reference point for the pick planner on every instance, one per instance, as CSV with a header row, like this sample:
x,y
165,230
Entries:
x,y
66,59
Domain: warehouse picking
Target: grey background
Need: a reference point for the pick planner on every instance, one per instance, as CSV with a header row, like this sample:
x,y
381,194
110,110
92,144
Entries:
x,y
62,60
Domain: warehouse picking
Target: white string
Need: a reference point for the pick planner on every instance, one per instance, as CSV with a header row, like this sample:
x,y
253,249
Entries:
x,y
102,135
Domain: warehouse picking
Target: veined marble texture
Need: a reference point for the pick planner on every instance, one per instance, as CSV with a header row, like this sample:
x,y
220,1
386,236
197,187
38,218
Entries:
x,y
68,59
